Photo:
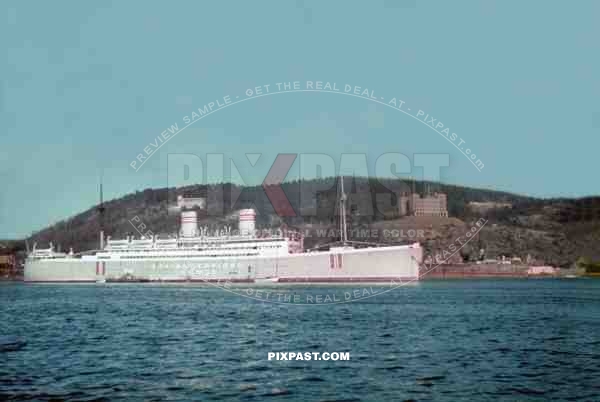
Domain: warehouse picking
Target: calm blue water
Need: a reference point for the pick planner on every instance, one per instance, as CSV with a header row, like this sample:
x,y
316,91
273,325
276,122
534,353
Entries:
x,y
443,341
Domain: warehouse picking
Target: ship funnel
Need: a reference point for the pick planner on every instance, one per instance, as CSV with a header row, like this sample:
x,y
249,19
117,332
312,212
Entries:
x,y
189,224
247,221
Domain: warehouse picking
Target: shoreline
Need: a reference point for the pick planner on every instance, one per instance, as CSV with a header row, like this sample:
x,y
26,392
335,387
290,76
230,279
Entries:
x,y
442,272
428,278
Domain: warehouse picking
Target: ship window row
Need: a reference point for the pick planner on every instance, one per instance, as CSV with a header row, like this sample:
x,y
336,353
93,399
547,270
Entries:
x,y
193,249
133,250
186,256
123,257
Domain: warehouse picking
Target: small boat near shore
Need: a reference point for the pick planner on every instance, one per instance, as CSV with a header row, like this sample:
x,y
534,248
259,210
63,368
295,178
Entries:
x,y
266,281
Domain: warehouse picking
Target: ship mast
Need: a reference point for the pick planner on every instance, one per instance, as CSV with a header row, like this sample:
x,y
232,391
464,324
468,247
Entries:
x,y
343,213
101,216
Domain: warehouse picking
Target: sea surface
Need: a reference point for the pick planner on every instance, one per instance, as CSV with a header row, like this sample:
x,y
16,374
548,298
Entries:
x,y
456,340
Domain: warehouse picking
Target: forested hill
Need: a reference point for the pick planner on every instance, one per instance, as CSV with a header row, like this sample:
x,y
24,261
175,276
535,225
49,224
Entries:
x,y
569,226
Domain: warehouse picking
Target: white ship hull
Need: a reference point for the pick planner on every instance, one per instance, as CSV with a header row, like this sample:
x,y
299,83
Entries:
x,y
348,265
250,256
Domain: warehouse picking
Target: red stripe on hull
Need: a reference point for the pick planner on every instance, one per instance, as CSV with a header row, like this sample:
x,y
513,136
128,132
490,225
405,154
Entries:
x,y
437,275
348,279
64,281
336,261
279,280
181,280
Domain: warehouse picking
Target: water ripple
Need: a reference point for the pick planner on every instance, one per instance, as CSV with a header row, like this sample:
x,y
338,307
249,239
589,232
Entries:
x,y
444,341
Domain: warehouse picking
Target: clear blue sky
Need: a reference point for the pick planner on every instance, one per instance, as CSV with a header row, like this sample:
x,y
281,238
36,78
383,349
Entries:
x,y
87,85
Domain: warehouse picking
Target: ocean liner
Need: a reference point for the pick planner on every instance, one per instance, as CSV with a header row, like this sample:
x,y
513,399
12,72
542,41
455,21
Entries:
x,y
250,256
